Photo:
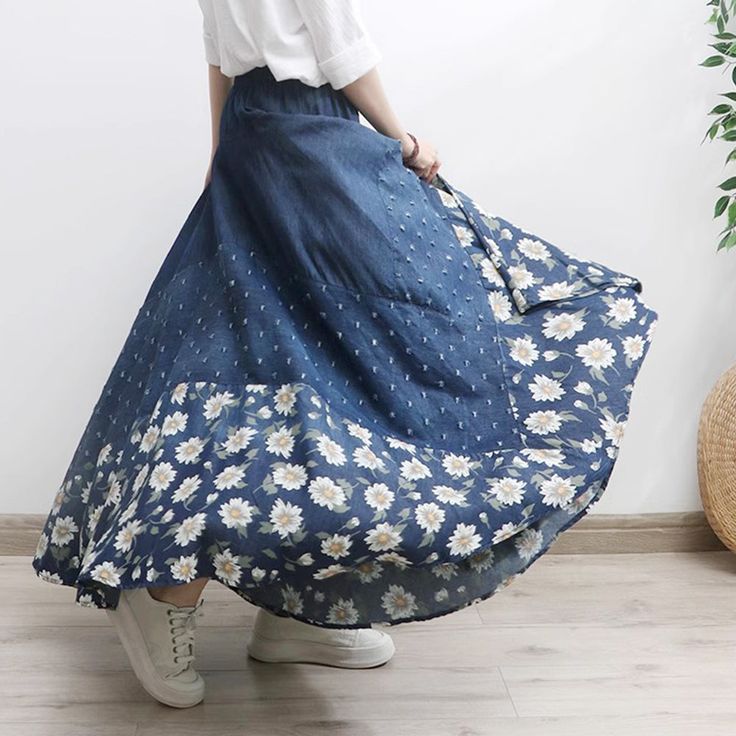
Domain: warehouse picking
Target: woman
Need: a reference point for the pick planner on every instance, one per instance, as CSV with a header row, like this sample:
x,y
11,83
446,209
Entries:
x,y
351,395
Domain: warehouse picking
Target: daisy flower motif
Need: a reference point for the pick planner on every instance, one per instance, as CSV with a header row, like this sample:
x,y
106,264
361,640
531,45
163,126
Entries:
x,y
190,529
534,250
239,440
464,540
544,388
379,497
343,612
414,470
557,491
528,544
284,399
184,569
382,538
280,442
596,353
558,290
330,450
285,517
186,488
398,602
293,602
174,423
126,536
336,546
449,495
291,477
162,476
622,310
364,457
63,531
523,350
633,347
458,466
188,451
543,422
107,574
562,326
179,393
215,404
325,492
229,477
227,567
429,516
508,490
236,513
359,432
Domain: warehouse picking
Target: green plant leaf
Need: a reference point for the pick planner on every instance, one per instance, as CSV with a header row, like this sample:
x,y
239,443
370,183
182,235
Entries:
x,y
729,184
721,205
713,61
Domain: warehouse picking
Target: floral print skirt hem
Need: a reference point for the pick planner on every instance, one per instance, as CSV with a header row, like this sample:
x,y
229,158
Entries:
x,y
350,396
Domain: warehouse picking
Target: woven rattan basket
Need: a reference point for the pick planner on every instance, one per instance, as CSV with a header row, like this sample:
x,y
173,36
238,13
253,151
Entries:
x,y
717,458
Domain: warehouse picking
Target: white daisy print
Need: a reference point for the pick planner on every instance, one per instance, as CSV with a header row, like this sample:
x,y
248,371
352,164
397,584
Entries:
x,y
458,466
229,477
336,546
633,346
398,602
524,350
289,476
464,540
280,442
325,492
543,422
596,353
528,544
544,388
239,440
429,516
285,517
382,538
188,452
106,573
330,450
562,326
63,531
557,491
174,423
379,497
179,393
343,612
414,470
508,490
448,494
227,567
623,310
190,529
215,404
284,399
162,476
186,488
184,569
533,249
126,536
236,513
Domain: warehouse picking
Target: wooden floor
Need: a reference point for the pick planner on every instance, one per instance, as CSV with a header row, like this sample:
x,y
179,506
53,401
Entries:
x,y
592,645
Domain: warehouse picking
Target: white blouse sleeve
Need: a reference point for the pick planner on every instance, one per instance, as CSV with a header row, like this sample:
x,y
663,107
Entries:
x,y
344,49
209,33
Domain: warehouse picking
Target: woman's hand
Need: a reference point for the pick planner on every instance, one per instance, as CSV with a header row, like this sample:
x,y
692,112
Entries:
x,y
427,162
367,94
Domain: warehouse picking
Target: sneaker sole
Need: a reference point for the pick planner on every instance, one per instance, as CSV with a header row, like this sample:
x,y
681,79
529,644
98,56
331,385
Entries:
x,y
134,644
295,650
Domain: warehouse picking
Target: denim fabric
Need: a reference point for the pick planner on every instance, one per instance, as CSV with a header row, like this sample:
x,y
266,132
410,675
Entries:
x,y
350,396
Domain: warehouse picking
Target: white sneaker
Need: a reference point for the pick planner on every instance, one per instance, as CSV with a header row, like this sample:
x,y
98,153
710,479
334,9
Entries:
x,y
284,639
158,638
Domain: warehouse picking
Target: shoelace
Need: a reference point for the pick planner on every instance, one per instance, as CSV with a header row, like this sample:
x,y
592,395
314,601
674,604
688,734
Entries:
x,y
182,624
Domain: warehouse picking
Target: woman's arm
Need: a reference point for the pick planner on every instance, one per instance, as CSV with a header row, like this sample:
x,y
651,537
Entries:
x,y
368,95
219,86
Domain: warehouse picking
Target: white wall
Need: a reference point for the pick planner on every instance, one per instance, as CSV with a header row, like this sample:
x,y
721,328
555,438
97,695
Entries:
x,y
579,122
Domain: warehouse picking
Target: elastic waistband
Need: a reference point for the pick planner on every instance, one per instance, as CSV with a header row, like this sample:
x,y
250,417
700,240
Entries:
x,y
259,89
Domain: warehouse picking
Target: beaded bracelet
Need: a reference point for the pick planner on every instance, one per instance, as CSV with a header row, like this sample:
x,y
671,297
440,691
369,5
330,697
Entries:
x,y
412,157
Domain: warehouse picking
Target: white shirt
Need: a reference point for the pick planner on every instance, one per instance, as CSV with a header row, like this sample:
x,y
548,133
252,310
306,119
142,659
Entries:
x,y
315,41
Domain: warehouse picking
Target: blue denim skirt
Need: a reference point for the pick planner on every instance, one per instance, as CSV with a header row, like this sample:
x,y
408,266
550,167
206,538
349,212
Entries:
x,y
350,396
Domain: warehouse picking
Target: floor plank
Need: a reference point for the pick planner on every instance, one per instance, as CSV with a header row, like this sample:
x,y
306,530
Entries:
x,y
615,645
